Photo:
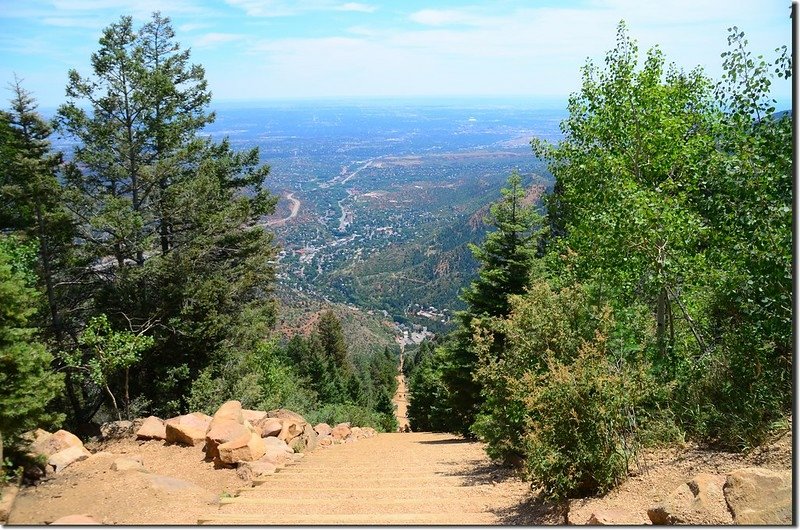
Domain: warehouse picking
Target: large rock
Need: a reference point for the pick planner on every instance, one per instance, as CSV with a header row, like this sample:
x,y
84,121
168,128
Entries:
x,y
244,449
230,411
221,432
114,430
309,438
699,501
290,430
153,428
357,433
253,416
80,519
251,470
49,444
285,414
269,426
322,429
758,496
341,431
65,458
182,434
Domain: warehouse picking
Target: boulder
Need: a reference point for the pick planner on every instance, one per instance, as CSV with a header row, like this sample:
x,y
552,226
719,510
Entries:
x,y
251,470
758,496
285,414
183,434
128,463
114,430
80,519
309,438
221,432
253,416
341,431
49,444
290,430
268,426
153,428
230,411
244,449
357,433
699,501
66,457
277,443
325,441
322,429
196,420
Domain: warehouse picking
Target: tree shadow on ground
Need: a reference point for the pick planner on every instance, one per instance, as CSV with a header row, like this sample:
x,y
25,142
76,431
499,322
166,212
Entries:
x,y
447,441
530,511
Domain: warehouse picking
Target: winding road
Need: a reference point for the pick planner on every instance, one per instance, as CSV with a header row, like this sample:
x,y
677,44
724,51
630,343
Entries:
x,y
292,214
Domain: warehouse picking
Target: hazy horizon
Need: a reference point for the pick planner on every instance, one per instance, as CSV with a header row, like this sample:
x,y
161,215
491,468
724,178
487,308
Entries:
x,y
275,50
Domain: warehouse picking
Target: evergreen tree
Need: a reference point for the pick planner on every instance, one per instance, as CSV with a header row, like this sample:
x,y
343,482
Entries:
x,y
27,383
33,201
506,261
169,220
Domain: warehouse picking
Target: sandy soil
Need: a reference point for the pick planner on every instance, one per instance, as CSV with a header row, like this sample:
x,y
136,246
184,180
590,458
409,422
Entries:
x,y
405,478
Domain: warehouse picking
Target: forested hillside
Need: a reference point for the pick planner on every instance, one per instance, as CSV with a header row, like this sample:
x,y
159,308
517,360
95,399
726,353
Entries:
x,y
653,303
137,276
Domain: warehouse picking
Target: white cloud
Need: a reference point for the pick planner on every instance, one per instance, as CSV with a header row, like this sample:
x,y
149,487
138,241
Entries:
x,y
356,6
444,17
210,39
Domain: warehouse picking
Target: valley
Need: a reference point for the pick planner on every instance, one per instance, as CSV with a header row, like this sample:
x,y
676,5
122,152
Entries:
x,y
378,201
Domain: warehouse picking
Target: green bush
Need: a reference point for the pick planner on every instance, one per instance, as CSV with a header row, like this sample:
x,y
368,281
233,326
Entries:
x,y
583,430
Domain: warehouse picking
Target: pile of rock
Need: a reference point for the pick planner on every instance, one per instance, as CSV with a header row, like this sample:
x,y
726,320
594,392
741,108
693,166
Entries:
x,y
255,442
341,433
60,449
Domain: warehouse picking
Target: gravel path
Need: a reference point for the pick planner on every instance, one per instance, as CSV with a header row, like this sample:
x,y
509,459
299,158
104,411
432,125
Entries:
x,y
393,478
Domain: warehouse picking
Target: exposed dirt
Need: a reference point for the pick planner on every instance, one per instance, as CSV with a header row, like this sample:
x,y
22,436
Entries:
x,y
178,487
392,478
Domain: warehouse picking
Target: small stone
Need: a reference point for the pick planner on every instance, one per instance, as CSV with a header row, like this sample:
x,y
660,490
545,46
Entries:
x,y
184,434
128,463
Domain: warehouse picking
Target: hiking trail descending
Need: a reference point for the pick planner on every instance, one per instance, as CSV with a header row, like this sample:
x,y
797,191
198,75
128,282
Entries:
x,y
400,398
393,478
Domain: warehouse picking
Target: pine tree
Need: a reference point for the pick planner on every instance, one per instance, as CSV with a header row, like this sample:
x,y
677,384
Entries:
x,y
27,383
506,261
169,219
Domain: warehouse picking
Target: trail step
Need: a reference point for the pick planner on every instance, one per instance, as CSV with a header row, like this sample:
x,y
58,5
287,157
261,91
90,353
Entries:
x,y
352,519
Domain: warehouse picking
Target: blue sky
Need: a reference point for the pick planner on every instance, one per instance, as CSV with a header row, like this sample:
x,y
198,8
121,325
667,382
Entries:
x,y
267,49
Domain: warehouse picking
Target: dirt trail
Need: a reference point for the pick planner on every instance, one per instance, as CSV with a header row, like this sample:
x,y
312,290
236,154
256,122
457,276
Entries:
x,y
400,398
394,478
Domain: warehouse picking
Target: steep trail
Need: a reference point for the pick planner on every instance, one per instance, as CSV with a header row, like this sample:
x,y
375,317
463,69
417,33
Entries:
x,y
393,478
400,398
